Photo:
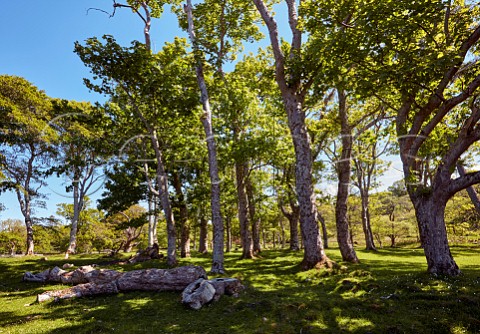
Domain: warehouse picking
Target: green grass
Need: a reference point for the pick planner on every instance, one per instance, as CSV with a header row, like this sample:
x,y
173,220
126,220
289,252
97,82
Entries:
x,y
388,292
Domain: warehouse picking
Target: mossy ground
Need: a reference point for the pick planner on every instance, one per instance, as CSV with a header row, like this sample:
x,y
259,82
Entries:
x,y
388,292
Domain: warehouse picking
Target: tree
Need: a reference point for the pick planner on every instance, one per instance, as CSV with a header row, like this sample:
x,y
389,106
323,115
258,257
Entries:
x,y
136,79
131,221
92,232
12,233
367,165
420,59
217,30
24,150
79,155
294,80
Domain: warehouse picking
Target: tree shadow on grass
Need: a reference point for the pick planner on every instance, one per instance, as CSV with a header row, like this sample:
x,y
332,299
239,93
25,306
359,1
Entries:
x,y
385,293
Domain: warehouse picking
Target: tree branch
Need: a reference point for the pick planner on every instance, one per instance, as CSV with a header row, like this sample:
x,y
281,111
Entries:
x,y
275,42
463,182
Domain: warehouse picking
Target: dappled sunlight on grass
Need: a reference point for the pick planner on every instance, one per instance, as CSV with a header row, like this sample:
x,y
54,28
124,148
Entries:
x,y
388,291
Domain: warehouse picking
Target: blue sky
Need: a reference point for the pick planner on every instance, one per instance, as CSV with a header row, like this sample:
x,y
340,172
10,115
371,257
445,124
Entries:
x,y
37,40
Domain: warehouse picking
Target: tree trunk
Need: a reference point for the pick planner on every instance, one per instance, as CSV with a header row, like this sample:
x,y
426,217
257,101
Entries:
x,y
241,170
128,245
151,219
203,238
257,247
290,84
24,201
314,253
343,170
183,215
95,282
29,226
229,245
206,119
367,229
293,220
430,213
77,208
162,181
324,230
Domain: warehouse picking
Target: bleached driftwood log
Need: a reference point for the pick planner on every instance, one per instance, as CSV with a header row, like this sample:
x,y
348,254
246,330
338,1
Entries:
x,y
100,281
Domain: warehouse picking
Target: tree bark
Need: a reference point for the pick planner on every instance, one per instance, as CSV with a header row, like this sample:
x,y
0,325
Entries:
x,y
241,170
203,237
314,253
30,244
183,215
77,204
344,170
228,227
206,119
324,230
367,228
430,213
255,221
293,220
293,95
94,282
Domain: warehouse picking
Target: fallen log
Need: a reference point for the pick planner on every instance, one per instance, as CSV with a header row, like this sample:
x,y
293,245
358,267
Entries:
x,y
88,281
58,275
81,290
104,281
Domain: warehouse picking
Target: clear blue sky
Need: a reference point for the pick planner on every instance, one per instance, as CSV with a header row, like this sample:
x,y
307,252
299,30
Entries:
x,y
37,40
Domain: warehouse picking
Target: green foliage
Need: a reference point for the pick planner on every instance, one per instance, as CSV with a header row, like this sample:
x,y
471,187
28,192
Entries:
x,y
221,28
93,233
12,235
24,112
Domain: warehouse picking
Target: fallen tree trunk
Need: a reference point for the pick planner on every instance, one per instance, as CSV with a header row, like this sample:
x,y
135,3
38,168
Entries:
x,y
192,280
102,281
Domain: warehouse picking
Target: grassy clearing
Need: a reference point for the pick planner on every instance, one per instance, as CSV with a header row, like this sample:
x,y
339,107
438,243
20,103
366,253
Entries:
x,y
388,292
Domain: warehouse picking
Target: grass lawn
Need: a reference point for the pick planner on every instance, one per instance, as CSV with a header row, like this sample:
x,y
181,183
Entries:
x,y
388,292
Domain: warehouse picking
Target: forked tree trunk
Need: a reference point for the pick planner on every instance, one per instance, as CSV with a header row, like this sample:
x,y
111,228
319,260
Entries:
x,y
430,213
